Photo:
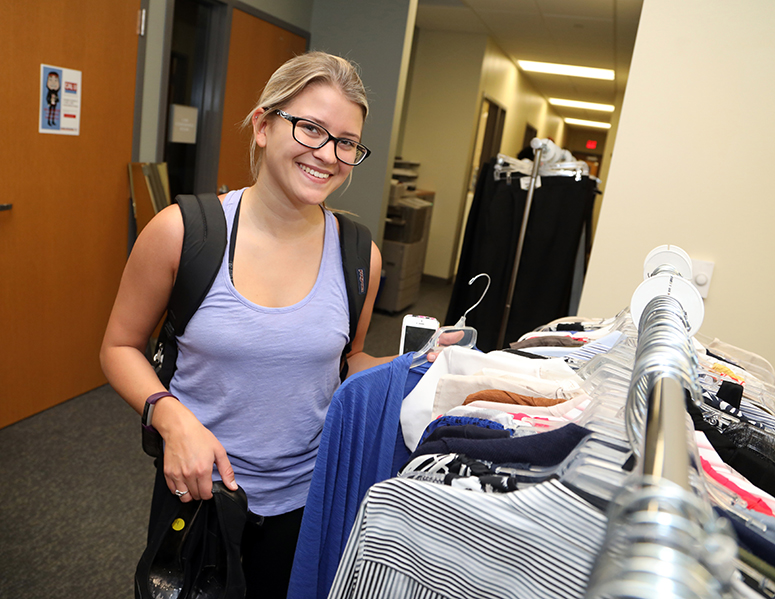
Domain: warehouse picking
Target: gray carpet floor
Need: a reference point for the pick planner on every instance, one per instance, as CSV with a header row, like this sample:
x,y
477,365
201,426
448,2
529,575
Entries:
x,y
74,502
77,486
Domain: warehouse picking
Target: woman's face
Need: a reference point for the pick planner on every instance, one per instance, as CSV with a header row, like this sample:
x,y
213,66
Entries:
x,y
307,176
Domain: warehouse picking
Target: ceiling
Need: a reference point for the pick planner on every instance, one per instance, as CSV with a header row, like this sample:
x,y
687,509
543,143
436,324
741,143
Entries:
x,y
591,33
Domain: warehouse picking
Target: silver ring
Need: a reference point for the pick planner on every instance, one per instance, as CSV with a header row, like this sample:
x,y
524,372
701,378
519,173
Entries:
x,y
180,493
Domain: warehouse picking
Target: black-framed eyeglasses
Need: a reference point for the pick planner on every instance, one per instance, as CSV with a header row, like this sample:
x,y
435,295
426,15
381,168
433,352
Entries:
x,y
311,135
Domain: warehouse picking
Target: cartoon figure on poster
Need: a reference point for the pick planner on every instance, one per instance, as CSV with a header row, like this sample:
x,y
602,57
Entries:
x,y
52,97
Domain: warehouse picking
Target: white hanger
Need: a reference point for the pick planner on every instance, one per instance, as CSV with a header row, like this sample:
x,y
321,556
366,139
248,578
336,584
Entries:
x,y
467,339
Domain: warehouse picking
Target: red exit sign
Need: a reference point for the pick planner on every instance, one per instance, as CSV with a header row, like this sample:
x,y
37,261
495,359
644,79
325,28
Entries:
x,y
591,144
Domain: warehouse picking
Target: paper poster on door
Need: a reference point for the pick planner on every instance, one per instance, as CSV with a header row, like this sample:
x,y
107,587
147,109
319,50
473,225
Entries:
x,y
60,100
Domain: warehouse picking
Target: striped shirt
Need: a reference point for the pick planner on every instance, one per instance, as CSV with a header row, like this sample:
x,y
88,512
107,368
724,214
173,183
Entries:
x,y
418,540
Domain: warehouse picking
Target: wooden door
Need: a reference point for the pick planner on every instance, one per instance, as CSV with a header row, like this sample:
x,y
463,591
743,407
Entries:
x,y
256,49
63,244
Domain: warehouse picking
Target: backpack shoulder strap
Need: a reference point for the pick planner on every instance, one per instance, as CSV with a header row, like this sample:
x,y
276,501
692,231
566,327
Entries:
x,y
355,243
204,241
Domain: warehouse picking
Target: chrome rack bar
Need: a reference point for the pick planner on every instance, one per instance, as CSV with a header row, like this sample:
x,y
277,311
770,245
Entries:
x,y
665,455
663,537
538,150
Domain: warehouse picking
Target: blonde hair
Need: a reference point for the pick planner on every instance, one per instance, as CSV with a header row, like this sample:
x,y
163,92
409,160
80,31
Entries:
x,y
292,78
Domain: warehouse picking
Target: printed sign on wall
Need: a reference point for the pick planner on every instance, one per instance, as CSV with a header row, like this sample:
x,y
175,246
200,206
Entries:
x,y
60,100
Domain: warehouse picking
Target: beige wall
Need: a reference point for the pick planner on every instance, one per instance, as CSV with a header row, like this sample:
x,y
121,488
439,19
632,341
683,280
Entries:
x,y
442,113
692,164
607,159
504,83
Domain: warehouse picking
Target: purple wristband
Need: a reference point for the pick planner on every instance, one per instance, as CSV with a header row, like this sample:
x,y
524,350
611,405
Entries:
x,y
157,396
148,409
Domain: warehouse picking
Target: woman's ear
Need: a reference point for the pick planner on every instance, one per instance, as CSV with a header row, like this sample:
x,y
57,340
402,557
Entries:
x,y
259,127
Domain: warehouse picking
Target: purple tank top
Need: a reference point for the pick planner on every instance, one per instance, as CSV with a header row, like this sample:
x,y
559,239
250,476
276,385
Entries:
x,y
261,379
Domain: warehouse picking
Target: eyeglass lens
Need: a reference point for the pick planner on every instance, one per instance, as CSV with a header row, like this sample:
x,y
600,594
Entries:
x,y
313,135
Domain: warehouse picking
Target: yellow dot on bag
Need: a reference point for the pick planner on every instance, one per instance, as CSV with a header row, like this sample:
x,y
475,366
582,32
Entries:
x,y
178,524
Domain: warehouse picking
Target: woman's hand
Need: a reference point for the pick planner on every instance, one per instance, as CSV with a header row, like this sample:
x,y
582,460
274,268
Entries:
x,y
445,340
190,452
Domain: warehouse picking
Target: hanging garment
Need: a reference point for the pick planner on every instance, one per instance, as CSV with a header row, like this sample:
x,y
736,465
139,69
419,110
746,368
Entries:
x,y
425,403
361,444
710,455
460,471
748,460
509,397
752,502
461,421
411,541
561,209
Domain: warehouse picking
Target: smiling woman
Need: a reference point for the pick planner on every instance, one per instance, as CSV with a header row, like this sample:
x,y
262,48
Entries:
x,y
260,359
323,107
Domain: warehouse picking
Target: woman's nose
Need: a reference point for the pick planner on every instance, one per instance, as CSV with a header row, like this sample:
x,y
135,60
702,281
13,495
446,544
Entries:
x,y
326,153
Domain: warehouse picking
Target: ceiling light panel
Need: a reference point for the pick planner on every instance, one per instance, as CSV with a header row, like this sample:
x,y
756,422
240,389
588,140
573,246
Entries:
x,y
565,69
583,123
583,105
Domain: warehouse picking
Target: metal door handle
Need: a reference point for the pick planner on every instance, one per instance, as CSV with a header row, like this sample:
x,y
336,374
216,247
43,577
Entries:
x,y
5,207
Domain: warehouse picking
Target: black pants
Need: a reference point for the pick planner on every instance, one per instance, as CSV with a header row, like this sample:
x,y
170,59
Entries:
x,y
267,554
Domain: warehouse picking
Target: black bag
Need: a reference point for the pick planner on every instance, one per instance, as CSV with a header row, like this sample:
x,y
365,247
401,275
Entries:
x,y
193,549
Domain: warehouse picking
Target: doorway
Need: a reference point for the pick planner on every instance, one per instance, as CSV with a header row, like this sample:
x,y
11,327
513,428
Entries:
x,y
213,70
63,239
197,36
488,137
489,134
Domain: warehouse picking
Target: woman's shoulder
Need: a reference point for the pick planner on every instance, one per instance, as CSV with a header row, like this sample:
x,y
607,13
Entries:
x,y
168,221
162,237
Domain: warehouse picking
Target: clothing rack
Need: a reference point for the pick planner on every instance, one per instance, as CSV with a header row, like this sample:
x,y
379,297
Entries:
x,y
663,534
538,148
582,525
504,167
546,231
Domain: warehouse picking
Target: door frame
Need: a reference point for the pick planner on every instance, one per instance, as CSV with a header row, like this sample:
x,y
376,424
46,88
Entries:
x,y
491,138
213,85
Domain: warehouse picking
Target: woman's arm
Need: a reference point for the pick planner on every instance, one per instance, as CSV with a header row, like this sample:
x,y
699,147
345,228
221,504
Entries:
x,y
357,359
142,298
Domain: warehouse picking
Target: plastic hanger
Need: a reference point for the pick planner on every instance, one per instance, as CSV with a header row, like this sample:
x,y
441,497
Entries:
x,y
466,336
594,465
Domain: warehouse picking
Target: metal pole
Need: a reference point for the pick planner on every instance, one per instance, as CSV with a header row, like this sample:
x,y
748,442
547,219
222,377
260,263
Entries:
x,y
664,454
520,243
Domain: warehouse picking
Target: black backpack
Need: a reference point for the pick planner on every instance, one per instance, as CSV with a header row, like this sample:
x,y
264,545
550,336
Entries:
x,y
204,242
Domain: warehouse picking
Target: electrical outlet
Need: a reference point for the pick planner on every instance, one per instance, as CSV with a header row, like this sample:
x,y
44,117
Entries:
x,y
702,272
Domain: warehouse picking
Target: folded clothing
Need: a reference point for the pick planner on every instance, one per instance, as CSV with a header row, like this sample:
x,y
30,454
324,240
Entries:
x,y
510,397
548,341
542,449
464,426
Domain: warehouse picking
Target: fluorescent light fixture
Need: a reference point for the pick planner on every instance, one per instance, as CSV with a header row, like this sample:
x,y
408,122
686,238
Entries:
x,y
583,123
584,105
566,69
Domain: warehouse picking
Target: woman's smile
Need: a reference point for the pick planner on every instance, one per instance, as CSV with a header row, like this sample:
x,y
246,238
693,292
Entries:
x,y
313,172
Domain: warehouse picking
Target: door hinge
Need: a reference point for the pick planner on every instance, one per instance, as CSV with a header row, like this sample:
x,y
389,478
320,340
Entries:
x,y
141,22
